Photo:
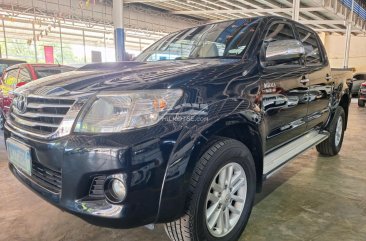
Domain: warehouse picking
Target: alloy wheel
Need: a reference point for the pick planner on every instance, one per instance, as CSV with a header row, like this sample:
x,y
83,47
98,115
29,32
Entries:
x,y
226,199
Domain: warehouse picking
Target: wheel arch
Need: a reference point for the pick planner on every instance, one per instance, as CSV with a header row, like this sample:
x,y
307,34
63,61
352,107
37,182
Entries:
x,y
172,207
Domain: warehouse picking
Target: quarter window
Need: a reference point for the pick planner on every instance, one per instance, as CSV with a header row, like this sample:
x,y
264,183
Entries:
x,y
312,47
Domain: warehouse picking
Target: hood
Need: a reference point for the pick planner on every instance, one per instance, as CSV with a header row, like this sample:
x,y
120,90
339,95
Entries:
x,y
121,76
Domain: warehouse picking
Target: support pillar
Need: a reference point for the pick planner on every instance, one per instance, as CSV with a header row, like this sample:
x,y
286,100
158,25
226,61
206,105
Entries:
x,y
295,10
119,33
349,23
348,45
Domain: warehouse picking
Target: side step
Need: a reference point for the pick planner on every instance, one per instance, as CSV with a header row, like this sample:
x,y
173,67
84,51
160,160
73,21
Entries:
x,y
276,159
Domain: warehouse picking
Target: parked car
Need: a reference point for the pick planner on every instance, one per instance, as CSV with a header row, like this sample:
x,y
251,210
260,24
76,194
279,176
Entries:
x,y
185,135
20,74
362,95
358,79
5,63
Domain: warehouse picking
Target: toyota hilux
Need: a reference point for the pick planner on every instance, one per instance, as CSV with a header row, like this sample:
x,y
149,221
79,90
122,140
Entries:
x,y
186,134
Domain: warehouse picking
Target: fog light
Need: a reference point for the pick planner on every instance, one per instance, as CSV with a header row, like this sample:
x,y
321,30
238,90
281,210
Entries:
x,y
118,189
115,189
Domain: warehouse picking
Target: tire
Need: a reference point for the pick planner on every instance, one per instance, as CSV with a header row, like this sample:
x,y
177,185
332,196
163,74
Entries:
x,y
361,103
221,155
2,120
333,144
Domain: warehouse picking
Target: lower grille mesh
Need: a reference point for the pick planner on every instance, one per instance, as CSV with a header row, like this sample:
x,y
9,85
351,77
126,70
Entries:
x,y
97,187
47,178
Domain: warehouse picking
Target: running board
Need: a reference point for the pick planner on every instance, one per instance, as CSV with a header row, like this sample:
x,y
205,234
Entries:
x,y
276,159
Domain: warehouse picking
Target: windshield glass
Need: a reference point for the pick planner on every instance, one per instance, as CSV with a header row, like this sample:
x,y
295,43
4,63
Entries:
x,y
219,40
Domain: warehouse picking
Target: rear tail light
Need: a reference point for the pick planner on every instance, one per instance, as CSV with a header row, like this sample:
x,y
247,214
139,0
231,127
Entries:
x,y
363,84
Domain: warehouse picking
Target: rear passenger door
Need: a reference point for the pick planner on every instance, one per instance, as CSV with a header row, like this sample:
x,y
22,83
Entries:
x,y
283,92
320,80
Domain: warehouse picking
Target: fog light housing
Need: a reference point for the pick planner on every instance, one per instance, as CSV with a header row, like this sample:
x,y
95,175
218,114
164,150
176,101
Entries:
x,y
115,188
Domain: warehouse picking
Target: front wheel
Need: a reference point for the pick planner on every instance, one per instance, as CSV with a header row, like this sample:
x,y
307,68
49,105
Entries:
x,y
361,103
332,145
221,195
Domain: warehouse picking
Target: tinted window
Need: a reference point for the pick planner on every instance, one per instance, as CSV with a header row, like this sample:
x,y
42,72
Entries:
x,y
11,77
277,32
24,76
312,48
360,76
280,31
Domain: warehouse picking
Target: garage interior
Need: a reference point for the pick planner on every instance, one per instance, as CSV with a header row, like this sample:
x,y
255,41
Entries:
x,y
313,198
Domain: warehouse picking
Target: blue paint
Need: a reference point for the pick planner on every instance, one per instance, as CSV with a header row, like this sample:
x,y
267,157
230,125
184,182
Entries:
x,y
119,42
357,8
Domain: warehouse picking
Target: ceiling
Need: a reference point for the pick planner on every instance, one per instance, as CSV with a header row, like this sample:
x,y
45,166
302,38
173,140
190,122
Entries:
x,y
322,16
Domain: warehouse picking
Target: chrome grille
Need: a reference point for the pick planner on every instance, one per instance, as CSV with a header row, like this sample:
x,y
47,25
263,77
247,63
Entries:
x,y
40,115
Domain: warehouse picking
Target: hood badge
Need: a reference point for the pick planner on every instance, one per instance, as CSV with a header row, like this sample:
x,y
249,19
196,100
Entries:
x,y
20,102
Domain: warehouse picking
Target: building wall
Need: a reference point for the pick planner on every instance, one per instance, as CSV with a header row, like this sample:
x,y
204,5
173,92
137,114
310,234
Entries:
x,y
335,46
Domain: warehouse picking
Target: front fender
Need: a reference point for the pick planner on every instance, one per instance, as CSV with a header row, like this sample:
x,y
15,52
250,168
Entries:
x,y
189,147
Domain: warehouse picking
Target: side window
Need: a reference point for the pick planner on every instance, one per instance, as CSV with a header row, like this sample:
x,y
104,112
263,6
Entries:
x,y
11,77
24,76
360,77
281,31
312,48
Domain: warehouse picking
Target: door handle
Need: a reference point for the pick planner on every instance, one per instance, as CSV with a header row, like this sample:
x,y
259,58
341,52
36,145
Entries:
x,y
328,77
304,81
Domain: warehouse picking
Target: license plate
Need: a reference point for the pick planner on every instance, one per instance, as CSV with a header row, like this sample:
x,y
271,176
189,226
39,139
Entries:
x,y
20,156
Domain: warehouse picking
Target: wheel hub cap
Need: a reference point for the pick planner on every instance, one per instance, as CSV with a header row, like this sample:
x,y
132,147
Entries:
x,y
226,199
339,131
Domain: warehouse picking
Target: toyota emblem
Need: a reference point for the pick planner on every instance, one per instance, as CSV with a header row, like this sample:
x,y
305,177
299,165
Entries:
x,y
21,104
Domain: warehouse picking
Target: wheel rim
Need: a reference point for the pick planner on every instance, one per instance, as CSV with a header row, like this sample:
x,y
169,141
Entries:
x,y
226,199
339,131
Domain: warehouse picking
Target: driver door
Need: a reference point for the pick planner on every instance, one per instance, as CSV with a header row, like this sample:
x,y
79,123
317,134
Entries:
x,y
284,92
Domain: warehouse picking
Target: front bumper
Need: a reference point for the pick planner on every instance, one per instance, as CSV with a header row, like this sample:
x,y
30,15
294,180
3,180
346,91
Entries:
x,y
79,159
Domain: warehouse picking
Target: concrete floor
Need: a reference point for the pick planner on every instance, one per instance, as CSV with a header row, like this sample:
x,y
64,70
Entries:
x,y
313,198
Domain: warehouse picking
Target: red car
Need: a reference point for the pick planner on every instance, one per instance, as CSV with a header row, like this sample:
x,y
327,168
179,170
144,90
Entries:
x,y
362,95
20,74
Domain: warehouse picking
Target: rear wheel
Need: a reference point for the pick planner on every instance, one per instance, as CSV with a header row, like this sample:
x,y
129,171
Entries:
x,y
332,145
221,197
361,103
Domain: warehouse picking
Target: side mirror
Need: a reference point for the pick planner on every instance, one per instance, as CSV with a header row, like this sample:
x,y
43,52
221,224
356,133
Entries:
x,y
283,51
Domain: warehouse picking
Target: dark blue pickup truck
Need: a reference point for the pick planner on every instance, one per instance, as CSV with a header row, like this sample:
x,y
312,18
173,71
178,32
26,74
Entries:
x,y
186,134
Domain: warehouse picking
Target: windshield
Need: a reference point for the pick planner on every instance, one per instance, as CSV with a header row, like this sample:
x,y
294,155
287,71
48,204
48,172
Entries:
x,y
219,40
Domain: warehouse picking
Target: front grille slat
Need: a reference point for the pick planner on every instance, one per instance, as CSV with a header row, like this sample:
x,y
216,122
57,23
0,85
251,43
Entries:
x,y
42,115
31,123
38,115
39,106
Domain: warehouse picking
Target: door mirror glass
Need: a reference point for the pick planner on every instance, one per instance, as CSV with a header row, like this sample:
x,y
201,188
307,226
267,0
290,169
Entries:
x,y
283,51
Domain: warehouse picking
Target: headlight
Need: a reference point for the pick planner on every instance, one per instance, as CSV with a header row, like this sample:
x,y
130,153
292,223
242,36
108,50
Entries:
x,y
119,111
